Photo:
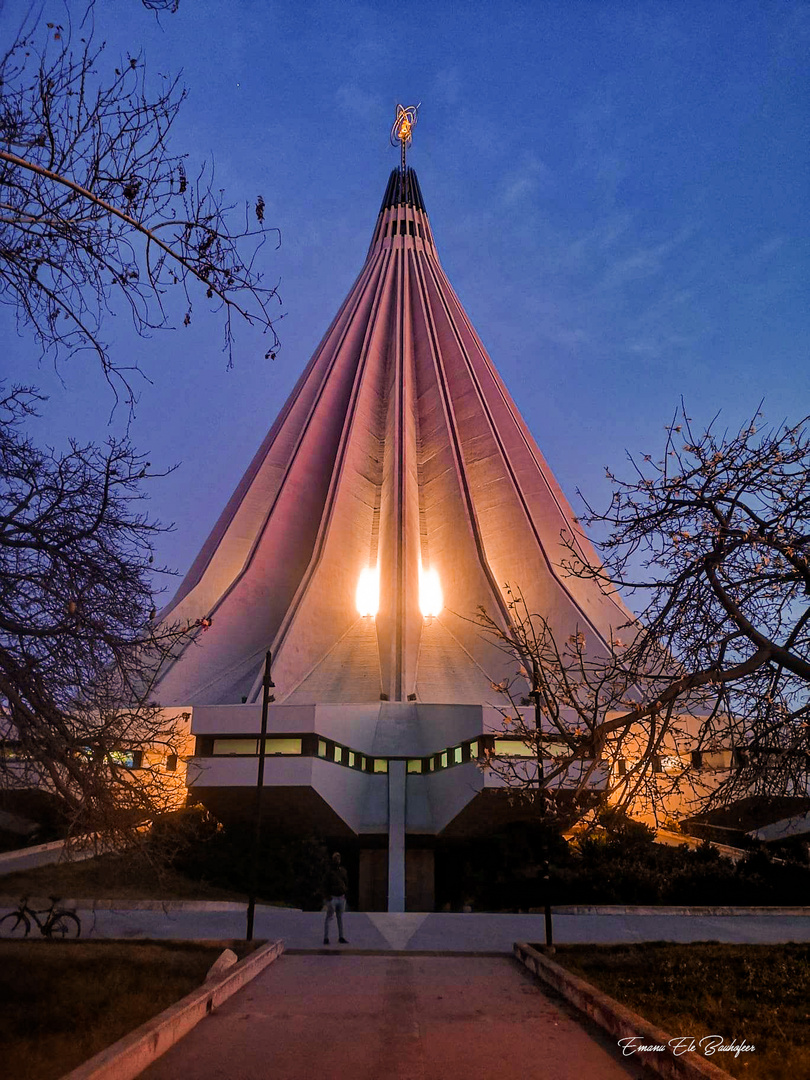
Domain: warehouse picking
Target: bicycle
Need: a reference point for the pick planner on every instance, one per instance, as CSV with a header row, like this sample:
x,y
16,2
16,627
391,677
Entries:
x,y
58,922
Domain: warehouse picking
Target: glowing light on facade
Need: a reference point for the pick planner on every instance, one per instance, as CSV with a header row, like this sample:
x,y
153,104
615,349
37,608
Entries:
x,y
431,600
367,597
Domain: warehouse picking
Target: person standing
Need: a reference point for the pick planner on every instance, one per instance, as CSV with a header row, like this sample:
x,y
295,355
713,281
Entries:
x,y
335,887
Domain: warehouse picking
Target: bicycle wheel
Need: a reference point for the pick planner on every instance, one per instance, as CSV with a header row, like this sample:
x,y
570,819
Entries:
x,y
14,925
63,924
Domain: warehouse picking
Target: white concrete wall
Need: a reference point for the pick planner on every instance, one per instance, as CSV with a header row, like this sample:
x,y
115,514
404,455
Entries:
x,y
387,728
448,792
359,798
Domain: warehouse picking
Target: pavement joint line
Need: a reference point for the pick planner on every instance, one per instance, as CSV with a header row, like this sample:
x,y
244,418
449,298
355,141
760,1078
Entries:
x,y
617,1020
127,1058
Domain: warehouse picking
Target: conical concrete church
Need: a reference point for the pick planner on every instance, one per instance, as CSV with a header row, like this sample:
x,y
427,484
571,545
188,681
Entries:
x,y
397,492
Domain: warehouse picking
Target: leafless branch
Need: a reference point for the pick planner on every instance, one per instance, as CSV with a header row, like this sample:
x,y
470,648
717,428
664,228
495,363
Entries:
x,y
78,646
97,210
717,667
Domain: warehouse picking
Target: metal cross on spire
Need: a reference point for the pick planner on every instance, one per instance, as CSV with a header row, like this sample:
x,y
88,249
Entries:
x,y
402,131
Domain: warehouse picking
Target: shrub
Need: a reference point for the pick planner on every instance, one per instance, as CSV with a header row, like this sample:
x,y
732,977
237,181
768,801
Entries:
x,y
287,870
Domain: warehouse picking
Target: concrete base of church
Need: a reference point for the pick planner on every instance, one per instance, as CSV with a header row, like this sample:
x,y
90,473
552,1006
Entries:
x,y
372,890
420,884
374,877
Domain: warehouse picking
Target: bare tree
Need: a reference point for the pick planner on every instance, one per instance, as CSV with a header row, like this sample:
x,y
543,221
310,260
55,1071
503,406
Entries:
x,y
562,751
78,648
708,700
97,212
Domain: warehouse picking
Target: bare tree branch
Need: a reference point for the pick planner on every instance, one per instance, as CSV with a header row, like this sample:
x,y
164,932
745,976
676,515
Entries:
x,y
96,209
714,539
78,648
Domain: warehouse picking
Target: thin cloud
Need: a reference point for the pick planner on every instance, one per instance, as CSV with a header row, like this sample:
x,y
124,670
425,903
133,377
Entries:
x,y
524,181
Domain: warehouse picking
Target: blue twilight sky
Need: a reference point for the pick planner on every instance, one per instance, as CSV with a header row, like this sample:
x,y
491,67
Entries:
x,y
618,192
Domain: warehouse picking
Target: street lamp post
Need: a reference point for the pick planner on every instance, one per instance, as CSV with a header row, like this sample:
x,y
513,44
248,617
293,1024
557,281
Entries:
x,y
538,734
267,685
541,797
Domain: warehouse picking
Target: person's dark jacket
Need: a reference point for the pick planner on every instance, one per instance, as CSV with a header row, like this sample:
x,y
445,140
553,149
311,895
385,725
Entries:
x,y
336,882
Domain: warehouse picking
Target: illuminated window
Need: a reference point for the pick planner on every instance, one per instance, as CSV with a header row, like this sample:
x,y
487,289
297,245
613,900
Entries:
x,y
432,764
415,765
361,761
444,760
380,765
251,746
474,750
457,756
236,746
321,748
282,746
351,759
129,759
514,748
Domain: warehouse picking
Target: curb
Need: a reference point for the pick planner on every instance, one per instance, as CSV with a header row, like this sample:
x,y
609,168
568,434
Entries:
x,y
617,1020
497,954
84,904
32,858
642,909
128,1057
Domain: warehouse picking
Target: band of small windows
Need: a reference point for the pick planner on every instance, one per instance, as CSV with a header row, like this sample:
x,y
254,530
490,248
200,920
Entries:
x,y
310,745
314,746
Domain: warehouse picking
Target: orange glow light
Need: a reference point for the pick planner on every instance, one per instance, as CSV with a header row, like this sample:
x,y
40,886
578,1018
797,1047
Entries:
x,y
431,600
367,596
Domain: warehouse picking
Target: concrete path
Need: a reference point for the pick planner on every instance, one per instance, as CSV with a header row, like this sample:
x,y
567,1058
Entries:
x,y
390,1018
439,931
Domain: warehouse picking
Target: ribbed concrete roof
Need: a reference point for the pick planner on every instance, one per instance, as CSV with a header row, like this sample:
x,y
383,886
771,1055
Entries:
x,y
403,189
399,444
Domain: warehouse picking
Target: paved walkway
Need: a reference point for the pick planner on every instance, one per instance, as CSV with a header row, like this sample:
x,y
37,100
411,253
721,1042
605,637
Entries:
x,y
446,932
390,1018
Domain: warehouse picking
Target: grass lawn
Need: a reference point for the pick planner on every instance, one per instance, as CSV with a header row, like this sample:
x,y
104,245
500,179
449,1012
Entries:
x,y
759,994
110,877
60,1003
